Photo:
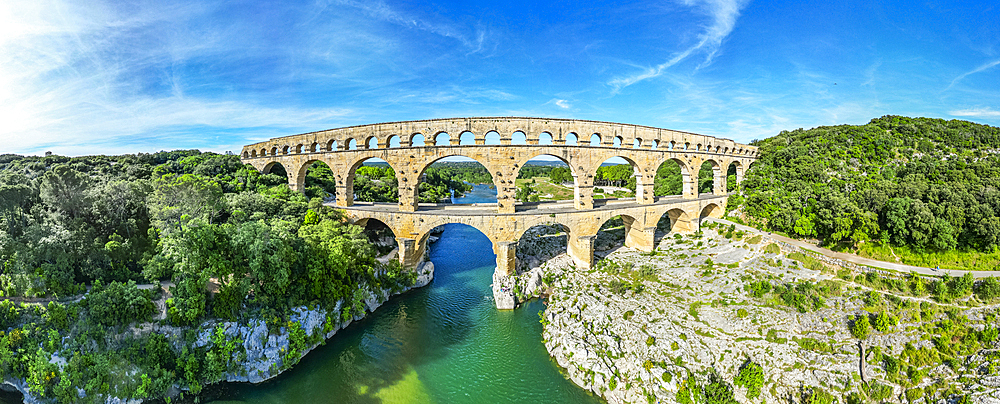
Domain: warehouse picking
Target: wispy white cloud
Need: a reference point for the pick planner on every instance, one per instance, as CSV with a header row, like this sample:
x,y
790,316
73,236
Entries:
x,y
870,73
92,78
722,14
387,13
563,104
981,68
986,112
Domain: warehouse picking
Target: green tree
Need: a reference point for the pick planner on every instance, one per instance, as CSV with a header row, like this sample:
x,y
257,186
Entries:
x,y
118,303
751,377
988,289
860,327
64,189
177,199
884,322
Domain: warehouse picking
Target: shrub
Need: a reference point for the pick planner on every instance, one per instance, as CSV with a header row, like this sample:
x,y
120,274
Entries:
x,y
884,322
816,395
860,327
890,364
751,376
56,315
742,313
118,303
988,289
760,288
718,391
772,249
8,314
650,341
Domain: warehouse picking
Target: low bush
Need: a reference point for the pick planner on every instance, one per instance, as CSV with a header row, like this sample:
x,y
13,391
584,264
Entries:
x,y
751,377
860,326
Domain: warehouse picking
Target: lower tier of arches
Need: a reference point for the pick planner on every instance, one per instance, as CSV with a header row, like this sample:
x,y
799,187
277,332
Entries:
x,y
412,229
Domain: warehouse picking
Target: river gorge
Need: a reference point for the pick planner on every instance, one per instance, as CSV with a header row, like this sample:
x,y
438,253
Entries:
x,y
444,343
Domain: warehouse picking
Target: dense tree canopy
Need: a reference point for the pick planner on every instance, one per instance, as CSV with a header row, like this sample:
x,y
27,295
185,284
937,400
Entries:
x,y
927,183
236,244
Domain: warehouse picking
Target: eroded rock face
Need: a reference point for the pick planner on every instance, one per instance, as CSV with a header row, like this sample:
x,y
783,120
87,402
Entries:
x,y
694,315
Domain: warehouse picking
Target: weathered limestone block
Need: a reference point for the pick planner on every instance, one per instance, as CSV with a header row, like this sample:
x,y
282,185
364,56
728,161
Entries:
x,y
503,292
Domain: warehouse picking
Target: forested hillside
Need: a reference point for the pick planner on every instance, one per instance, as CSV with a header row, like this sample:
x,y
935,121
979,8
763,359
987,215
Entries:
x,y
236,243
915,187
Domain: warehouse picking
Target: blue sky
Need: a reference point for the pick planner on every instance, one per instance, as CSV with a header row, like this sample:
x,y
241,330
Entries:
x,y
89,77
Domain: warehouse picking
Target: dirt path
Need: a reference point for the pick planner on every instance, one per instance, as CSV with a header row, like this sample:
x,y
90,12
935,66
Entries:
x,y
856,259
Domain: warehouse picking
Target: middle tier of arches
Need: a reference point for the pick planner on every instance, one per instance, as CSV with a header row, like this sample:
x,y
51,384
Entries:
x,y
504,163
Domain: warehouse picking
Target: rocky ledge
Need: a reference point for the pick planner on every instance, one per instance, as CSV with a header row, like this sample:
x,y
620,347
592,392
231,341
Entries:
x,y
263,354
662,327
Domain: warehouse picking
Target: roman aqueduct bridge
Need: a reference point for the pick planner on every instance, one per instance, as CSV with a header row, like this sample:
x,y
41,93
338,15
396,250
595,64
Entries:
x,y
503,145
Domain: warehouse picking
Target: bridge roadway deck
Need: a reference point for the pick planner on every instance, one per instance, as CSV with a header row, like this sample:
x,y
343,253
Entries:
x,y
411,228
527,208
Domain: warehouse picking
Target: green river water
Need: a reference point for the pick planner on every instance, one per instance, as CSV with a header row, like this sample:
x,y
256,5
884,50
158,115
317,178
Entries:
x,y
444,343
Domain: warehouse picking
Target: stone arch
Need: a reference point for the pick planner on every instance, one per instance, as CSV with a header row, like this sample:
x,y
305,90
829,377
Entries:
x,y
371,142
452,153
302,170
348,177
393,141
654,144
352,144
664,182
313,147
418,140
637,143
595,139
518,138
438,221
331,145
275,167
365,220
711,177
572,139
492,138
676,221
734,175
617,231
617,141
376,229
467,138
711,210
623,182
274,150
298,148
524,162
409,180
247,155
537,241
284,149
545,138
442,138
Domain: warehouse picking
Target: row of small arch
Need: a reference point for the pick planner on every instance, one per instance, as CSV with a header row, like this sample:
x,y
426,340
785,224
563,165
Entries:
x,y
468,138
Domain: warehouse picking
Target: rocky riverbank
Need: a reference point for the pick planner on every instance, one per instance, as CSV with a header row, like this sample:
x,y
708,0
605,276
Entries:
x,y
260,352
695,316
